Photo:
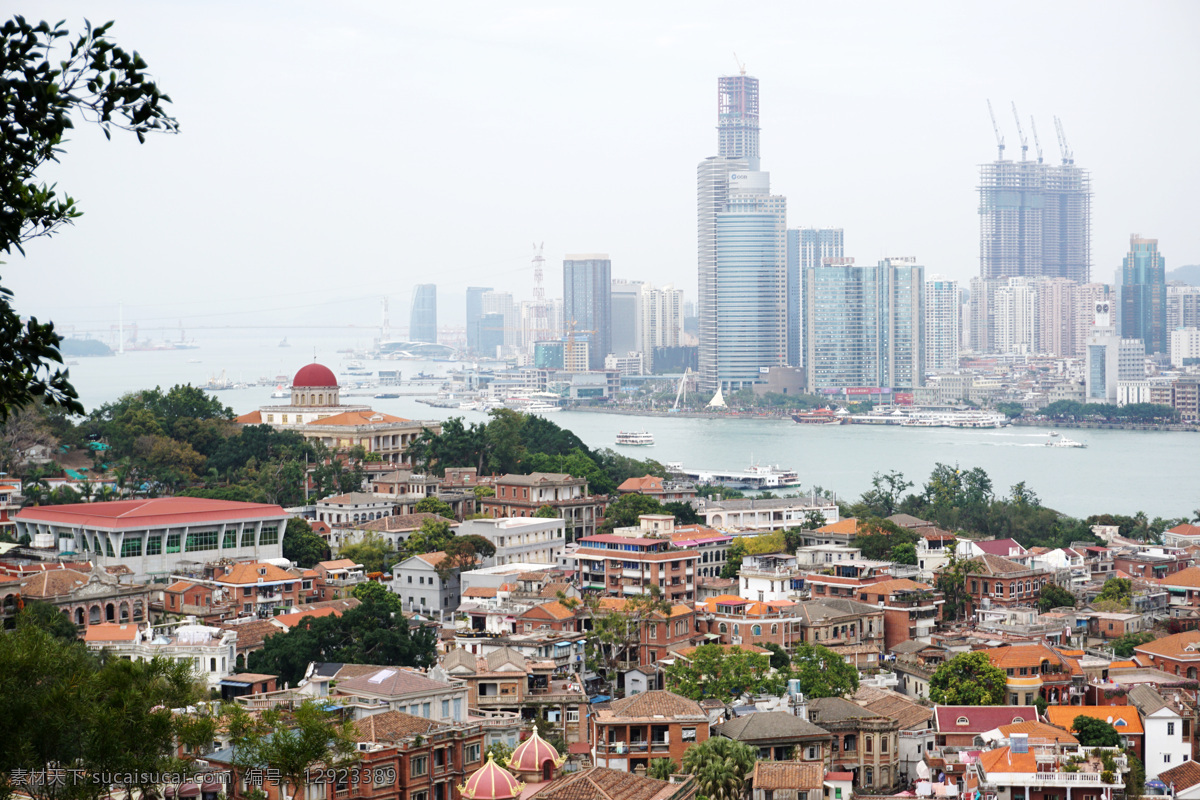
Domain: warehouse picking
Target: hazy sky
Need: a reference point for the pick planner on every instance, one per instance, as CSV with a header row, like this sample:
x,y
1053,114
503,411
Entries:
x,y
334,153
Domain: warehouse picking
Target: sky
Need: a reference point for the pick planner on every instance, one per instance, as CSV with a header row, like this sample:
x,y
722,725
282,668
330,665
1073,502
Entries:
x,y
332,154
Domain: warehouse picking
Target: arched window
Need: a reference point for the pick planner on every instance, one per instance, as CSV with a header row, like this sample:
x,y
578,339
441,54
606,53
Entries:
x,y
756,630
723,628
774,628
737,629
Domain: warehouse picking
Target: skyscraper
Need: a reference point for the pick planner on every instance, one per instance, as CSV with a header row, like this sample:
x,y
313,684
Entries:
x,y
943,305
627,308
806,247
1110,359
1183,306
1144,294
1056,317
741,249
865,325
1016,317
587,304
501,303
422,319
474,313
662,320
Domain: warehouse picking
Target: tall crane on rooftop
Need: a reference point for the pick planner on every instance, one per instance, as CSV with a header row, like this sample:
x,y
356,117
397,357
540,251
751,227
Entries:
x,y
1036,143
741,64
1020,133
569,347
1063,148
996,128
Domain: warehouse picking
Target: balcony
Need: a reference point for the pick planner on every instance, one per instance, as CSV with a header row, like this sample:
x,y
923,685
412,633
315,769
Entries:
x,y
498,700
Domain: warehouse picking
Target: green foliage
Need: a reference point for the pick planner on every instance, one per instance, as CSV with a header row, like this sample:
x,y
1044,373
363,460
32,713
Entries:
x,y
1010,410
372,552
952,582
308,737
432,505
375,592
878,537
1041,705
968,679
302,546
721,767
546,512
625,510
1135,778
904,554
431,537
1123,645
464,552
1093,732
883,499
371,633
48,618
780,660
742,546
1142,413
498,751
684,513
725,673
1118,590
1054,596
44,90
661,769
707,490
822,672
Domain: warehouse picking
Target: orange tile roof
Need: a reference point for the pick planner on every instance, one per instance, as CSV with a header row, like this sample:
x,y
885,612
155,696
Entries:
x,y
1064,717
251,418
294,617
480,591
772,775
1003,760
1186,529
894,585
1189,578
554,609
1122,665
644,483
111,632
351,418
1179,645
179,586
1022,655
434,558
1039,731
847,525
341,563
251,571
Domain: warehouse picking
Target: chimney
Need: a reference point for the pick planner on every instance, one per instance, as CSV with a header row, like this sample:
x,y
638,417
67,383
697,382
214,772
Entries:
x,y
640,770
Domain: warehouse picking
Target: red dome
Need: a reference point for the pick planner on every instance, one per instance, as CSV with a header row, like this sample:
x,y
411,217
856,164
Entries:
x,y
492,783
316,375
532,753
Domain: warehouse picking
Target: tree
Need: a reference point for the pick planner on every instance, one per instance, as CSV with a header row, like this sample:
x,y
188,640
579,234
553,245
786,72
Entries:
x,y
1135,778
464,552
1093,732
625,510
433,536
720,766
661,769
683,512
302,546
1118,590
905,553
884,497
43,91
432,505
952,582
822,672
780,660
1123,646
499,752
47,617
968,679
546,512
725,673
376,592
1054,596
371,551
310,737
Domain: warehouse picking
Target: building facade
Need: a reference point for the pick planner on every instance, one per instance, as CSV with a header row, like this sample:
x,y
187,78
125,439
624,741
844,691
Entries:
x,y
587,303
1144,294
422,319
943,324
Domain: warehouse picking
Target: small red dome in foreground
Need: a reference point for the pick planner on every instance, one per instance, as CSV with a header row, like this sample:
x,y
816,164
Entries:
x,y
532,753
493,782
315,375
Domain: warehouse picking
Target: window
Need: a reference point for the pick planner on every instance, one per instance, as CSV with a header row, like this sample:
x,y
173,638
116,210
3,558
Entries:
x,y
756,630
1166,758
269,535
173,542
774,628
229,541
201,540
471,753
653,631
410,578
425,710
688,735
445,709
883,743
572,715
131,548
1170,729
870,776
869,744
247,537
420,765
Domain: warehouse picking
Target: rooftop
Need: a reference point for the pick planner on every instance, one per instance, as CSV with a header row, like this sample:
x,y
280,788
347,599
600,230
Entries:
x,y
150,512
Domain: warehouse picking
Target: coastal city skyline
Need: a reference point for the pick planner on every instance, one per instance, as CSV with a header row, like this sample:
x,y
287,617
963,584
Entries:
x,y
841,142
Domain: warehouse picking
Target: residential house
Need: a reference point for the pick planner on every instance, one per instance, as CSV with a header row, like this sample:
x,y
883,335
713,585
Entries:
x,y
335,579
662,490
1183,779
1048,772
1125,719
1184,535
416,581
252,634
1178,654
960,726
655,724
211,651
519,540
1111,625
523,495
1169,729
401,689
712,545
259,588
914,663
623,565
910,609
915,722
866,743
768,576
91,597
1004,548
1035,670
393,529
1153,563
787,781
780,736
764,514
999,581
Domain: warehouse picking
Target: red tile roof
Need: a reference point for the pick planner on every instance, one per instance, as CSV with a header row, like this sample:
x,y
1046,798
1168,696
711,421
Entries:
x,y
150,512
1124,718
1000,547
352,418
772,775
111,632
651,483
980,719
252,572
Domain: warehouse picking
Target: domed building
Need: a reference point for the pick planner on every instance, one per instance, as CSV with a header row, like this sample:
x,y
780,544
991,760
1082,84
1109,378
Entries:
x,y
536,760
491,782
315,412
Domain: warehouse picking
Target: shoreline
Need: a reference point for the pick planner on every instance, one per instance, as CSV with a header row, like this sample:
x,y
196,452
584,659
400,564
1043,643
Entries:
x,y
1022,423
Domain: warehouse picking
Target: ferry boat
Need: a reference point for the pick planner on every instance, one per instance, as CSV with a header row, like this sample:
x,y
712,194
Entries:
x,y
540,407
632,438
755,477
820,416
931,417
1062,441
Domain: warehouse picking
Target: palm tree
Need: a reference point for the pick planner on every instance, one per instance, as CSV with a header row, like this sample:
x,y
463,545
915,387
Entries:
x,y
661,769
721,767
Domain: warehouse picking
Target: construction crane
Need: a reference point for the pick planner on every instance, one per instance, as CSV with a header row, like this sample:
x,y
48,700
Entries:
x,y
569,347
1021,133
1037,145
996,128
741,65
681,394
1063,148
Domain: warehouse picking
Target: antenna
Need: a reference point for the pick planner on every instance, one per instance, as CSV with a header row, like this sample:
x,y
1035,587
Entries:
x,y
741,65
996,128
1037,145
1063,148
1020,133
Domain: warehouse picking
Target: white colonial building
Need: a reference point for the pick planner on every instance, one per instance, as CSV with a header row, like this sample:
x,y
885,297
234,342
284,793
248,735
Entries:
x,y
526,540
211,651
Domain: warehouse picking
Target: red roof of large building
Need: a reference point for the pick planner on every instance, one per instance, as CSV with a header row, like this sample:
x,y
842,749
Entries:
x,y
358,417
315,375
1000,547
980,719
154,512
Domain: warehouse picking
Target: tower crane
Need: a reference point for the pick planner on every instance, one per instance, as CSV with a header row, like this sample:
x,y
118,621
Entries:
x,y
996,128
1037,145
1020,133
740,63
569,347
1063,148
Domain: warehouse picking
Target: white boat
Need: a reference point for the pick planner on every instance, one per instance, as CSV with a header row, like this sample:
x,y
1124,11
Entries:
x,y
930,417
281,392
1063,441
754,477
540,407
635,438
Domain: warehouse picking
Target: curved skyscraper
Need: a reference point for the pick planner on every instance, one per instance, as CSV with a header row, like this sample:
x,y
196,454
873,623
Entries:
x,y
422,321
